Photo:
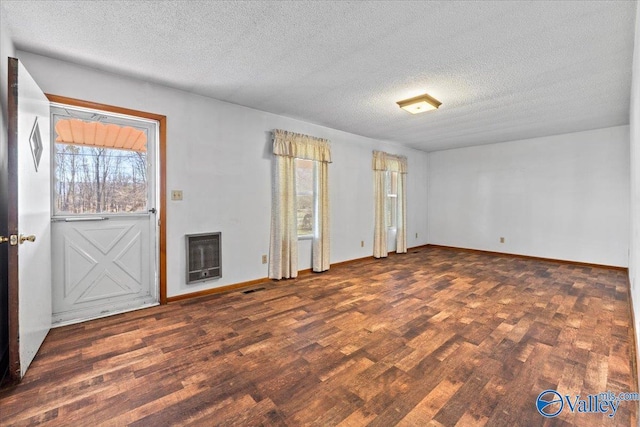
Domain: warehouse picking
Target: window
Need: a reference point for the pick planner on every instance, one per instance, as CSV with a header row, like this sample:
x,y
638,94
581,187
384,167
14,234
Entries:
x,y
300,203
99,180
391,182
100,163
305,196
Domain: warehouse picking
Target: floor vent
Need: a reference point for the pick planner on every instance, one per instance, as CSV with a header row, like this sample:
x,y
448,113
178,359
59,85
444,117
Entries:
x,y
250,291
203,257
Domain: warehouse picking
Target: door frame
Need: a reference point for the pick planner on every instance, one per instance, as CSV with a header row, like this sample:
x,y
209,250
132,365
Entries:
x,y
12,228
161,173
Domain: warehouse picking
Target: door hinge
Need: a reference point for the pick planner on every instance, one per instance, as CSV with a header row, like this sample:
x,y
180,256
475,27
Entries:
x,y
13,240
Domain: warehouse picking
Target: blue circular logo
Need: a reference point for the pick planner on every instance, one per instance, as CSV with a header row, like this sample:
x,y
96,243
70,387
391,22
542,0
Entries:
x,y
549,403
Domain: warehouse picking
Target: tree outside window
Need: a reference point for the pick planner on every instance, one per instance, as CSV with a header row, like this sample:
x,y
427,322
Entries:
x,y
99,180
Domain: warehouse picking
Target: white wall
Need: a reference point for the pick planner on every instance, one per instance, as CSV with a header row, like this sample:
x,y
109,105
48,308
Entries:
x,y
634,120
219,154
564,197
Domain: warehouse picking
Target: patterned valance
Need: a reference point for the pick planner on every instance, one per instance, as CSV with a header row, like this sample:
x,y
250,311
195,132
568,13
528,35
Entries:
x,y
290,144
389,162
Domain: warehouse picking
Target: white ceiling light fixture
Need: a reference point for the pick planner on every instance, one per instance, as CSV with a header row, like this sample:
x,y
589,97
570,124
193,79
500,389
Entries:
x,y
420,104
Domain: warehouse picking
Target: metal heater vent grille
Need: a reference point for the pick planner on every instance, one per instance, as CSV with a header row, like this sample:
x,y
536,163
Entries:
x,y
203,257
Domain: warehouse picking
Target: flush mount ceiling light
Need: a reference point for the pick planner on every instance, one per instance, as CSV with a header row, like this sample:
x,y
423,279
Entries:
x,y
419,104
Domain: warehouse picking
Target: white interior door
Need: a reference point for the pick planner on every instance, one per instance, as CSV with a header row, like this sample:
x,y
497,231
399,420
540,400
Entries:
x,y
28,219
103,223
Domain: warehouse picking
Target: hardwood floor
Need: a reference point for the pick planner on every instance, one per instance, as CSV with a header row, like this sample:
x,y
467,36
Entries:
x,y
436,337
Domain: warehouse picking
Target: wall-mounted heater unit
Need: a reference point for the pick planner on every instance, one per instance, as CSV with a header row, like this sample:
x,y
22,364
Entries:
x,y
203,257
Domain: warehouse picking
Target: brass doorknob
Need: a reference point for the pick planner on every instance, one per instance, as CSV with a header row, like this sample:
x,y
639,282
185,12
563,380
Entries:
x,y
4,239
24,238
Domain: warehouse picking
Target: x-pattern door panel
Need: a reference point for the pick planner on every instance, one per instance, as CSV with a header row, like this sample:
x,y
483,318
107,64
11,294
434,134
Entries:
x,y
106,266
102,262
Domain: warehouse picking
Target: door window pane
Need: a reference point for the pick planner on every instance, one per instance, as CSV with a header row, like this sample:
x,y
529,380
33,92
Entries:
x,y
90,179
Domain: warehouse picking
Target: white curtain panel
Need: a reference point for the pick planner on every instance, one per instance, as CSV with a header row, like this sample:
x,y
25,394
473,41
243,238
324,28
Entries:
x,y
283,249
283,261
380,225
321,240
383,162
401,227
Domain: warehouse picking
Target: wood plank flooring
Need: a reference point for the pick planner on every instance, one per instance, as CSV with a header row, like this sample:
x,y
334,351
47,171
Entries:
x,y
436,337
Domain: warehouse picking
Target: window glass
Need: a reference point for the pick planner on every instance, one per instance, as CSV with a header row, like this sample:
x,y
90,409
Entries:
x,y
391,183
305,196
99,180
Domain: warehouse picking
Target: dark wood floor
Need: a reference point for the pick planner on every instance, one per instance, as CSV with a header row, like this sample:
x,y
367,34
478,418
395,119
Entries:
x,y
433,337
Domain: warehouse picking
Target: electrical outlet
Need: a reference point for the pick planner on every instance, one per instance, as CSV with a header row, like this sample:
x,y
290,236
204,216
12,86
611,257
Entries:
x,y
502,240
176,194
362,243
264,259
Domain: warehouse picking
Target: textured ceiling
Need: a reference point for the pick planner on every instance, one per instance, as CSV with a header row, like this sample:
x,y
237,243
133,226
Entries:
x,y
503,70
